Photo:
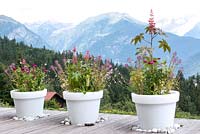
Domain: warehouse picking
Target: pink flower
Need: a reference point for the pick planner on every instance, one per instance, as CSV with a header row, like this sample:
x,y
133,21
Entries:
x,y
74,59
152,24
13,67
52,68
34,65
145,61
74,50
139,57
151,62
87,55
126,65
45,70
99,58
129,60
23,62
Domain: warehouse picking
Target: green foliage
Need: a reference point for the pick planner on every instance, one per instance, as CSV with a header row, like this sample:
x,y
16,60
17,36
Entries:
x,y
80,74
150,75
25,77
51,104
5,87
137,38
164,45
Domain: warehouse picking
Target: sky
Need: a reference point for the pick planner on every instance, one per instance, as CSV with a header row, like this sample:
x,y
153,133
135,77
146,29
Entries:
x,y
75,11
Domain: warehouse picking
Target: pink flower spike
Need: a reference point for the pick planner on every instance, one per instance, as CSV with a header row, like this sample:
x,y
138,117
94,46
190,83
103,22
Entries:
x,y
126,65
151,62
129,60
74,59
151,22
145,61
34,65
23,61
45,70
74,49
99,58
87,55
52,68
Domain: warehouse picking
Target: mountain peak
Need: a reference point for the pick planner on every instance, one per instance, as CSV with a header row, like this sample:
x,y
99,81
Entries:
x,y
7,19
113,17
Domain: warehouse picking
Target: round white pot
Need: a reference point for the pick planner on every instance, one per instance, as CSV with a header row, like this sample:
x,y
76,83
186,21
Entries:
x,y
156,111
28,104
83,108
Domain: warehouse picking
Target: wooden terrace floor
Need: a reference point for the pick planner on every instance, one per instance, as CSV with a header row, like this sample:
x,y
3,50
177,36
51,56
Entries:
x,y
115,124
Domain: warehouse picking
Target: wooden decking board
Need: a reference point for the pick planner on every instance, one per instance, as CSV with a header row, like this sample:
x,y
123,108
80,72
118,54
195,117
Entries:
x,y
34,125
115,124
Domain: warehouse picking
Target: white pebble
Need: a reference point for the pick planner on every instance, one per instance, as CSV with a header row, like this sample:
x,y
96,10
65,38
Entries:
x,y
149,131
62,122
134,127
176,126
154,130
80,125
172,130
139,130
29,118
144,130
67,123
98,121
15,118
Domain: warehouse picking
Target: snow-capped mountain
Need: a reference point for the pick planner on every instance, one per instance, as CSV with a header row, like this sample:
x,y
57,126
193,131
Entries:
x,y
178,26
15,30
52,32
107,35
194,32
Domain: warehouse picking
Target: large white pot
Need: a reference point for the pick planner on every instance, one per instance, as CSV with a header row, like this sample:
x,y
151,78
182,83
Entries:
x,y
156,111
83,108
29,104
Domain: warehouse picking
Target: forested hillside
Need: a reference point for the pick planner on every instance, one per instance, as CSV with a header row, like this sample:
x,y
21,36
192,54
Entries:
x,y
116,96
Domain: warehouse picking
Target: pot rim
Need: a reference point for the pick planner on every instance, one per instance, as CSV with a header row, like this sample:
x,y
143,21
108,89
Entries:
x,y
172,97
28,95
81,96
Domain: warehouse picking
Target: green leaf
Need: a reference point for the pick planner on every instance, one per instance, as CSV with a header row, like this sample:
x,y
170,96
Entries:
x,y
137,38
164,45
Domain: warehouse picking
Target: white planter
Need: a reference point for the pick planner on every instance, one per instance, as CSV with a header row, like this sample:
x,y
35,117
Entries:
x,y
83,108
156,111
29,104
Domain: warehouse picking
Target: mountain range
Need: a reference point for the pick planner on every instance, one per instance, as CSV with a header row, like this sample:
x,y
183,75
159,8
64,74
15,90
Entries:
x,y
15,30
108,35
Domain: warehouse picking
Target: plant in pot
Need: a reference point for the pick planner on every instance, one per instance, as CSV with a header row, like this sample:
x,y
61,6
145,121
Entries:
x,y
29,91
152,80
83,78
